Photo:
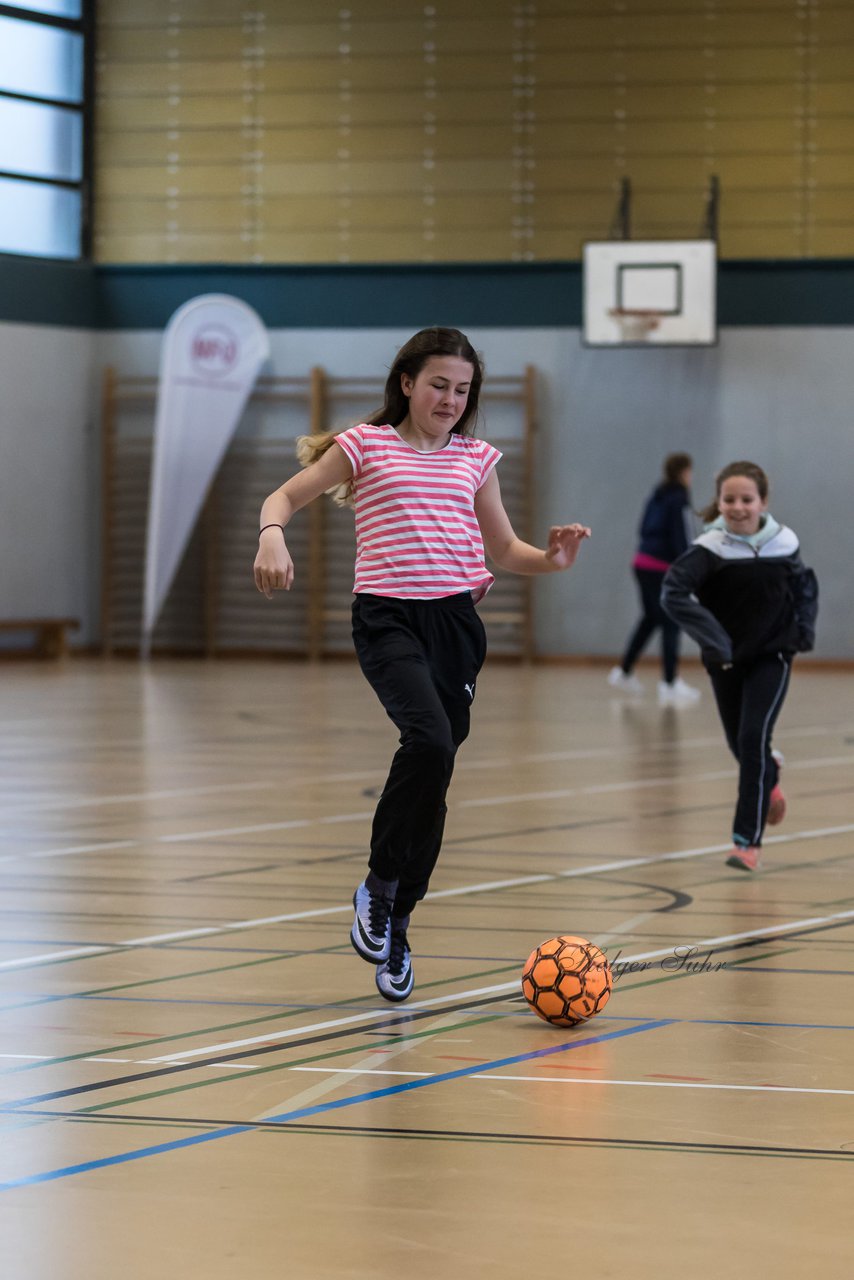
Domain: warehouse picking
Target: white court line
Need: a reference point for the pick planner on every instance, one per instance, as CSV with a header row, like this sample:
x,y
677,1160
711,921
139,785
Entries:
x,y
485,887
605,788
565,793
333,819
465,765
230,1066
366,815
77,848
85,802
82,802
289,825
372,1059
600,788
203,931
310,914
662,1084
71,953
501,987
92,848
370,1016
363,1071
492,1076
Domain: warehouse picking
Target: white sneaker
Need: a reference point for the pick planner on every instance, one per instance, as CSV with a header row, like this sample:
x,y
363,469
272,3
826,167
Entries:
x,y
678,694
618,679
371,931
394,978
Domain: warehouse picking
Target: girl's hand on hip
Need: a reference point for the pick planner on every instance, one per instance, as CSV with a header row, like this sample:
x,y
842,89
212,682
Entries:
x,y
564,544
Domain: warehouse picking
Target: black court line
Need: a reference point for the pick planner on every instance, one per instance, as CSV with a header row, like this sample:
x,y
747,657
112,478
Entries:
x,y
392,1020
679,898
221,875
450,1135
459,841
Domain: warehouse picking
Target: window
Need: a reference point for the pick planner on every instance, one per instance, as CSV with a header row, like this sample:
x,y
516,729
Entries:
x,y
45,94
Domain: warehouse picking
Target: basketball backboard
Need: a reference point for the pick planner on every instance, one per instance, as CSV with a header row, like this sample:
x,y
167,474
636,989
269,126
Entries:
x,y
649,293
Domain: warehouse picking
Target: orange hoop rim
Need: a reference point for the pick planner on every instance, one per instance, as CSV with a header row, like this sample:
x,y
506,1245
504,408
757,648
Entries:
x,y
636,323
637,313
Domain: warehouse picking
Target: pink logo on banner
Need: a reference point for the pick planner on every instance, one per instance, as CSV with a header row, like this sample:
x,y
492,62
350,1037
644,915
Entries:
x,y
214,350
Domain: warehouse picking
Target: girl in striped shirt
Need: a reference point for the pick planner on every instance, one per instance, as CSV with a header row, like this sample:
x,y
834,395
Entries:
x,y
427,505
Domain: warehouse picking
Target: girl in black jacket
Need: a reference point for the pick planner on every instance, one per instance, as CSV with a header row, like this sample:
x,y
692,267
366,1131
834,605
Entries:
x,y
743,593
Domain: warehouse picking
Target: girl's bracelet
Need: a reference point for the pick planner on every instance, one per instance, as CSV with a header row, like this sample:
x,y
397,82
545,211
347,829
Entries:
x,y
272,526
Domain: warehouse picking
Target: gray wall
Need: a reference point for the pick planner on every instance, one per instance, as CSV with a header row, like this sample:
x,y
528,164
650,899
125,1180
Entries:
x,y
606,419
777,396
49,494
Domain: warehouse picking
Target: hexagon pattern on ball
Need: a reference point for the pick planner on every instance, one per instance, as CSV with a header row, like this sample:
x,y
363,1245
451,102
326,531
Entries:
x,y
566,980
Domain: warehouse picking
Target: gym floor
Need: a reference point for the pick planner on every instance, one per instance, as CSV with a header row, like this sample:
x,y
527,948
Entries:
x,y
198,1074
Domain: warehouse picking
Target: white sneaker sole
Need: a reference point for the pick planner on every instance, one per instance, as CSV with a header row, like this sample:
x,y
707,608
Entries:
x,y
395,992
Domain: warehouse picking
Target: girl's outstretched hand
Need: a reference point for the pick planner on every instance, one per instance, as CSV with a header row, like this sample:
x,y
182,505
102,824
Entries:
x,y
564,544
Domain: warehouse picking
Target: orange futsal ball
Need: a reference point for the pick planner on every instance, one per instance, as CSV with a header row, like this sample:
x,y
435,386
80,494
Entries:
x,y
566,980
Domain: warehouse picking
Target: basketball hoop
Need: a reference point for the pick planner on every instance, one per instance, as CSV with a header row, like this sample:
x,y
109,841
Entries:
x,y
635,325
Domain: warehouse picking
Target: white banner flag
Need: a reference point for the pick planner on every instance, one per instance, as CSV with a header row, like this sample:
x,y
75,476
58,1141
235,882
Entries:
x,y
213,348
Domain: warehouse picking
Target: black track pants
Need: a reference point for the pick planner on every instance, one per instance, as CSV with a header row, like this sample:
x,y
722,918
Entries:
x,y
649,583
749,697
422,658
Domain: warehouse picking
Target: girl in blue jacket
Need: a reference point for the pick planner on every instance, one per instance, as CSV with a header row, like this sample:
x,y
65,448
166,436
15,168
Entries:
x,y
665,532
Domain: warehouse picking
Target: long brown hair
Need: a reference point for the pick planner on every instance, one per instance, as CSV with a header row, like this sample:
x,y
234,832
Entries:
x,y
675,465
750,471
410,360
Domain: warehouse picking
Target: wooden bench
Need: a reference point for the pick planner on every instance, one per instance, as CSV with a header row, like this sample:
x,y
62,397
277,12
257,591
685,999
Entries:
x,y
51,634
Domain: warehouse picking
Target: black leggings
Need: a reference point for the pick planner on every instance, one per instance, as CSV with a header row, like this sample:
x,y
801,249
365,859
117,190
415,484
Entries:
x,y
422,658
749,697
649,582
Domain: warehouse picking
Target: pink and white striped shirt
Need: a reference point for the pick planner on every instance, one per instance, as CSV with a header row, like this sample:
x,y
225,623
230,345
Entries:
x,y
417,537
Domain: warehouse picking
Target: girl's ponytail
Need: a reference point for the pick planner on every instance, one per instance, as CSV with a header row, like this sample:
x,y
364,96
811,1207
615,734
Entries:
x,y
309,449
710,513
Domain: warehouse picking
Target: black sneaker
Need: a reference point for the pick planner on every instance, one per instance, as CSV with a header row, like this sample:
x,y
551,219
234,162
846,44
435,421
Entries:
x,y
371,932
394,978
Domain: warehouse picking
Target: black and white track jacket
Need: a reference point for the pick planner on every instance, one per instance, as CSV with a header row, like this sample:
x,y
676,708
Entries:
x,y
740,598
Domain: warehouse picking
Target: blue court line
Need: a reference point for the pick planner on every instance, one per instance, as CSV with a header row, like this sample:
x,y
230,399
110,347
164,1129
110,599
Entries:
x,y
51,1175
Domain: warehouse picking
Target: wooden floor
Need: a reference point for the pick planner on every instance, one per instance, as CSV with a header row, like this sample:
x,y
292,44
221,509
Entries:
x,y
199,1079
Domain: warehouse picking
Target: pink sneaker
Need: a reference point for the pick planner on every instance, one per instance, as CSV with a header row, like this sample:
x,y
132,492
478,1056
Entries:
x,y
746,859
777,806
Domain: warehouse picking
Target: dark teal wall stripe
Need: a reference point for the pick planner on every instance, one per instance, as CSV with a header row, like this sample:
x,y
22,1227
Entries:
x,y
786,293
352,297
503,295
41,291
